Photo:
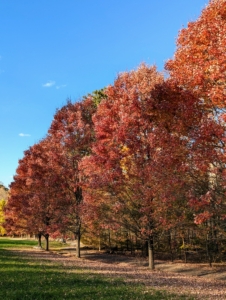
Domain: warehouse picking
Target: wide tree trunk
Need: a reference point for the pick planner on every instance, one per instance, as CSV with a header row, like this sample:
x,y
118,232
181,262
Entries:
x,y
151,263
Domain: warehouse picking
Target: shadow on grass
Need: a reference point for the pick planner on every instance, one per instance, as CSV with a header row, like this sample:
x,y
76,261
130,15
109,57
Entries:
x,y
8,243
23,278
112,267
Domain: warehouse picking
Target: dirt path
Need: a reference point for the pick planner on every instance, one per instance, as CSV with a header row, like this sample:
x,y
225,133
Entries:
x,y
197,280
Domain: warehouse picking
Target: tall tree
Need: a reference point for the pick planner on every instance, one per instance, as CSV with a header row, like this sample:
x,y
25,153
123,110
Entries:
x,y
199,65
71,133
31,207
134,156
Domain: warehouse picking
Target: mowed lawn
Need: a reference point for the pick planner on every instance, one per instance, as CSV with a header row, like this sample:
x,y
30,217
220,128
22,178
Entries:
x,y
27,278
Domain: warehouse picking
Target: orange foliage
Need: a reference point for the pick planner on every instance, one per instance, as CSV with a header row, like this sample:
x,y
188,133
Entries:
x,y
200,59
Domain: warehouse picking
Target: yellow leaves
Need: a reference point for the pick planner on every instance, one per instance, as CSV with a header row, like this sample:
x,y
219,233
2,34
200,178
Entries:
x,y
124,149
2,219
126,161
123,166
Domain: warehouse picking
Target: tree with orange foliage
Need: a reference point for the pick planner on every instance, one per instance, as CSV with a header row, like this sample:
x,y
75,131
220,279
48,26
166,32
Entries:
x,y
31,207
71,133
16,210
143,130
199,62
199,66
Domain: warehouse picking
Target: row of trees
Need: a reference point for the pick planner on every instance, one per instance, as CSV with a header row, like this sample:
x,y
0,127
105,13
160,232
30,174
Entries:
x,y
142,160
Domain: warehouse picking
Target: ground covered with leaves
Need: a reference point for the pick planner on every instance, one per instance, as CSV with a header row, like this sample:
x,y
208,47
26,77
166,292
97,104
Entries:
x,y
187,281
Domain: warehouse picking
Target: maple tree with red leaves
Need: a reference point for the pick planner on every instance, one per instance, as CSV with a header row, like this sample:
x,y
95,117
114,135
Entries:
x,y
199,65
134,156
145,155
32,193
71,133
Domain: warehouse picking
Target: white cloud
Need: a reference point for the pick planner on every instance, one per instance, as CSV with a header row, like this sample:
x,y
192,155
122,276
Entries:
x,y
49,84
60,86
24,134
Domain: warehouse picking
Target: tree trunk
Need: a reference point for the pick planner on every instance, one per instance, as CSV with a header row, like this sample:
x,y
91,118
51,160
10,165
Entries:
x,y
78,254
185,256
151,252
145,249
209,251
99,242
109,239
170,245
40,240
79,198
47,241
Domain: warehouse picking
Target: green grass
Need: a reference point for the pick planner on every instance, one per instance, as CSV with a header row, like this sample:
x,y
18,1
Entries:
x,y
24,278
16,243
6,243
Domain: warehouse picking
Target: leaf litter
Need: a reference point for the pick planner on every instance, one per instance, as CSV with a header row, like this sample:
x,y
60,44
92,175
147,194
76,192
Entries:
x,y
195,280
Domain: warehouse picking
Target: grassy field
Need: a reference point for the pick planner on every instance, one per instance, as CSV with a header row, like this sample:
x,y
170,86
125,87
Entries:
x,y
7,243
26,278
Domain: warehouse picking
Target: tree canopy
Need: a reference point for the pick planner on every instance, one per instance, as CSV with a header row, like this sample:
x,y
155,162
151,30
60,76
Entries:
x,y
139,161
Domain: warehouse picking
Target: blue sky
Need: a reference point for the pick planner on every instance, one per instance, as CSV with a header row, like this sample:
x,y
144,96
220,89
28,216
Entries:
x,y
52,50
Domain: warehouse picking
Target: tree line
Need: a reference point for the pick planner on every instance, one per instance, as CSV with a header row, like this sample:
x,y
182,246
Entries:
x,y
139,164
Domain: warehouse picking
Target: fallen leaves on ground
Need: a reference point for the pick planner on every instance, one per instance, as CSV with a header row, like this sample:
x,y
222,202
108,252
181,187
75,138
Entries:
x,y
135,270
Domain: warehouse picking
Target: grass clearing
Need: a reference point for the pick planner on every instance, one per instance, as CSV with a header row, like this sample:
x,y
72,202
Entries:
x,y
22,243
25,278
